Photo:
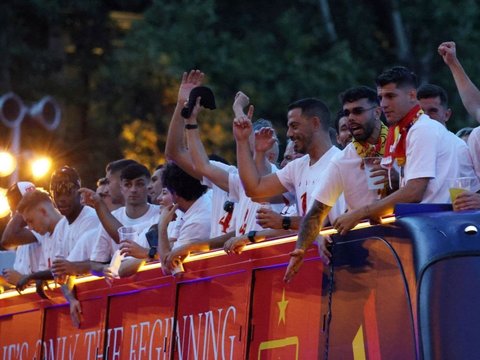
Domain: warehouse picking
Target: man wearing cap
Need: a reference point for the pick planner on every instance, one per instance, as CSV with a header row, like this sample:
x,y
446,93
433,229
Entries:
x,y
28,257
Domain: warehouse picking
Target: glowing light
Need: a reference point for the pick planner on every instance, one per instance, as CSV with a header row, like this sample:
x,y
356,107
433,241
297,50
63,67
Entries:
x,y
4,207
41,167
7,163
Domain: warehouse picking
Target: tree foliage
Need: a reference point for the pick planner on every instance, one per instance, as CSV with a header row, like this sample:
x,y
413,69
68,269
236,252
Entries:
x,y
113,80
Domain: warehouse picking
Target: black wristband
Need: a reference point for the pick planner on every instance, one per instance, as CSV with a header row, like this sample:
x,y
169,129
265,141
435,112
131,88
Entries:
x,y
286,222
251,236
191,126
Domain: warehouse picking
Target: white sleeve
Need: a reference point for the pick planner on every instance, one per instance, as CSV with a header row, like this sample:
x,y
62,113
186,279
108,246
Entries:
x,y
286,176
330,186
103,249
82,251
474,147
422,147
193,231
234,187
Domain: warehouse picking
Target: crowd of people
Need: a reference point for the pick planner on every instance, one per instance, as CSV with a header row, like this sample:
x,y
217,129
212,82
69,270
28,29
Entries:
x,y
195,202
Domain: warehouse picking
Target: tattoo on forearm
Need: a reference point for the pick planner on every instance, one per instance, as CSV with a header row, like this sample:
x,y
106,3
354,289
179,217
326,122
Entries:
x,y
310,225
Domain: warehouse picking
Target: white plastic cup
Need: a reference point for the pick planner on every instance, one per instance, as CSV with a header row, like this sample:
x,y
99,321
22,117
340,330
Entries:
x,y
127,233
371,163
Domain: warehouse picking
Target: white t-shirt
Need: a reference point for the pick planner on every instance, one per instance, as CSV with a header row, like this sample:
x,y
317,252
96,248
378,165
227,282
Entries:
x,y
301,178
84,245
29,257
474,147
86,221
431,153
245,209
221,222
105,246
194,224
344,174
54,244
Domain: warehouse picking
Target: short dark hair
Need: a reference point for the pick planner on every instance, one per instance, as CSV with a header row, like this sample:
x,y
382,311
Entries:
x,y
427,91
32,199
399,75
357,93
180,183
134,171
118,165
313,107
102,181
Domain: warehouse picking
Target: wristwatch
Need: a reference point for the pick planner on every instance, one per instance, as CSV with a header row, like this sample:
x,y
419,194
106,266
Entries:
x,y
152,252
191,126
251,236
286,222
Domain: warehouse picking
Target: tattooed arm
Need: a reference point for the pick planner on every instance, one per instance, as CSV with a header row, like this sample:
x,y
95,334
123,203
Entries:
x,y
309,230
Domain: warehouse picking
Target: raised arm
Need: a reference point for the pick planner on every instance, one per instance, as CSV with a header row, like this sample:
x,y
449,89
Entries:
x,y
199,156
175,148
108,221
469,93
16,233
256,186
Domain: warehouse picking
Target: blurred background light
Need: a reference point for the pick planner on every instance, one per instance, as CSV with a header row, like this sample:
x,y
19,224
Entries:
x,y
4,207
41,167
7,163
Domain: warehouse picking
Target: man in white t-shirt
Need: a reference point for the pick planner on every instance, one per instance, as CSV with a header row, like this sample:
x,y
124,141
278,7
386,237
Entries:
x,y
345,173
422,149
64,185
28,256
189,196
308,128
155,186
41,216
137,213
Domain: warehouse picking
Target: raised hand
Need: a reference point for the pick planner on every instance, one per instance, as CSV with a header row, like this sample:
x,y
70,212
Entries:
x,y
242,126
189,81
448,52
166,214
241,102
89,197
264,139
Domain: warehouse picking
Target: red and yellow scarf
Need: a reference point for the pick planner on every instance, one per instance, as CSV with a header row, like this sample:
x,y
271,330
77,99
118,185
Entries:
x,y
395,148
365,149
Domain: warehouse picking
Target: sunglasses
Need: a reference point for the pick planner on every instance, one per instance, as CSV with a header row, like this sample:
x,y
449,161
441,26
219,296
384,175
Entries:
x,y
357,111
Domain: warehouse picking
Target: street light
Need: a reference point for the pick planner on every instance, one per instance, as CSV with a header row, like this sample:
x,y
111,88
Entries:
x,y
40,167
13,111
4,207
8,163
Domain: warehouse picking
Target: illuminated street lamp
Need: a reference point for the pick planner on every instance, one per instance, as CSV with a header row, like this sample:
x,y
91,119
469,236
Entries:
x,y
40,167
8,163
13,111
4,207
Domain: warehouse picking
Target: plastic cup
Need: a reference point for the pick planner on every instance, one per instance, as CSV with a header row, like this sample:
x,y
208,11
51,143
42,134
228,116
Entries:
x,y
178,268
371,164
127,233
459,185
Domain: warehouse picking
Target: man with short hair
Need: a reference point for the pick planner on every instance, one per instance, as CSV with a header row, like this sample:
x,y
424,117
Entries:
x,y
189,196
102,191
155,186
113,171
137,212
345,173
421,148
434,102
344,137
